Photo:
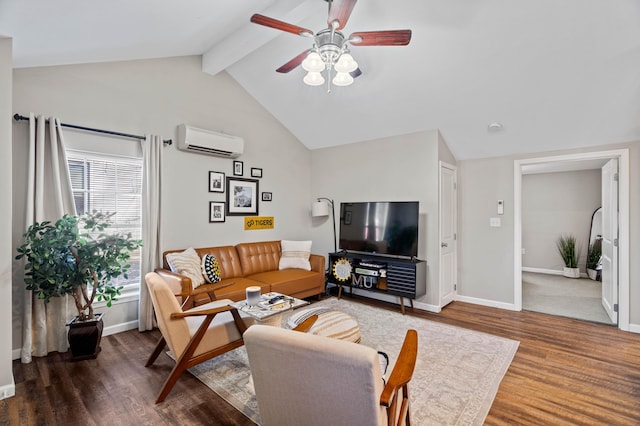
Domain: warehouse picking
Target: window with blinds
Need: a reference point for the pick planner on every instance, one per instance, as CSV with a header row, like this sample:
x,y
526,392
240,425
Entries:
x,y
111,184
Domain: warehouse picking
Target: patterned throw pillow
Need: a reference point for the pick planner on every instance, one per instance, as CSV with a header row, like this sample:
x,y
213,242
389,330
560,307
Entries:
x,y
210,268
295,255
187,263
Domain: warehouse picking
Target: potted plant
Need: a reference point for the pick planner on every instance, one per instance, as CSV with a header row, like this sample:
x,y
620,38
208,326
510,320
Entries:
x,y
63,259
593,258
570,255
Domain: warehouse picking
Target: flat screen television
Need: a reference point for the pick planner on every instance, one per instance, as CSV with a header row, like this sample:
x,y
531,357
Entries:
x,y
387,227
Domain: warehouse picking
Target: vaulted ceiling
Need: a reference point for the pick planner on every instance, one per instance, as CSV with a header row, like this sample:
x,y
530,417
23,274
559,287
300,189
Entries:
x,y
555,73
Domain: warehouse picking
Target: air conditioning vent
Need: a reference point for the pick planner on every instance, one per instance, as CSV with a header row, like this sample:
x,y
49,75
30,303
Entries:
x,y
209,142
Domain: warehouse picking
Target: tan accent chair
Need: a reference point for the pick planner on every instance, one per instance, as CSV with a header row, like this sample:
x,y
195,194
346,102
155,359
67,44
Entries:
x,y
313,380
195,335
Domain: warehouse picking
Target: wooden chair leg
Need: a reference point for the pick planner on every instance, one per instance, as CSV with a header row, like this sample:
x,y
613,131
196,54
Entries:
x,y
182,363
240,324
171,381
156,352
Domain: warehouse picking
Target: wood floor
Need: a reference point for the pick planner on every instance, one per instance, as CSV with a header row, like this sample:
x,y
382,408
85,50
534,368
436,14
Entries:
x,y
566,372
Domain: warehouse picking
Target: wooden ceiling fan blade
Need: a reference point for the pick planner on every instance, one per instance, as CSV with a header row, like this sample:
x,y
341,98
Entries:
x,y
279,25
381,38
340,11
295,62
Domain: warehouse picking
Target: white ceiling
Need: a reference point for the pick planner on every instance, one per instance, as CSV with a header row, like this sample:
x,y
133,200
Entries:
x,y
556,73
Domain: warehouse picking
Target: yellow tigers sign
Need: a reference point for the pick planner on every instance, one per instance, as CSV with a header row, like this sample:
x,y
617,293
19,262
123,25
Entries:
x,y
258,222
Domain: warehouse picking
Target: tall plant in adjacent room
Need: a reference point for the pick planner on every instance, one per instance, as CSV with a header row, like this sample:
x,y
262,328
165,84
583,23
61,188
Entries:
x,y
594,254
570,253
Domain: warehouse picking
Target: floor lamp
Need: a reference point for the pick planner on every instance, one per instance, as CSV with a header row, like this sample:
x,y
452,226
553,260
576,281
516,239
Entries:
x,y
319,209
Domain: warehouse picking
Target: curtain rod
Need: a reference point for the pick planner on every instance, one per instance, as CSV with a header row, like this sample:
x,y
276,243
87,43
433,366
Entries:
x,y
19,117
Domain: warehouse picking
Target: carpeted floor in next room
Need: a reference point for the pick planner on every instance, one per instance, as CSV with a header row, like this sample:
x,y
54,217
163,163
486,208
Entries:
x,y
579,298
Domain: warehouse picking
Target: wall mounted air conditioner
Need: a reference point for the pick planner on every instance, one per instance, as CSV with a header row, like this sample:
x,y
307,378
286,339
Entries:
x,y
209,142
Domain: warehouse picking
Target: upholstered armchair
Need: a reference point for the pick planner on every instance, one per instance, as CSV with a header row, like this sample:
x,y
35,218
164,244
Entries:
x,y
307,379
195,335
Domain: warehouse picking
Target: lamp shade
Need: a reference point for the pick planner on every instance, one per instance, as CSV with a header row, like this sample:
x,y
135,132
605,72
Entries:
x,y
319,208
313,63
342,79
313,79
346,63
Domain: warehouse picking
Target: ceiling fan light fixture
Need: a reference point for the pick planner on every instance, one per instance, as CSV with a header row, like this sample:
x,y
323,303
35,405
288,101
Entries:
x,y
342,79
313,78
313,63
346,63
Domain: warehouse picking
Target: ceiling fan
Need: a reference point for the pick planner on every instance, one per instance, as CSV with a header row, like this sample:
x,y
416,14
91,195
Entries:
x,y
330,49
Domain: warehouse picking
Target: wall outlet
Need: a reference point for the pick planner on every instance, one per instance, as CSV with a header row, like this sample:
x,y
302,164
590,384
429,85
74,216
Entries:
x,y
495,222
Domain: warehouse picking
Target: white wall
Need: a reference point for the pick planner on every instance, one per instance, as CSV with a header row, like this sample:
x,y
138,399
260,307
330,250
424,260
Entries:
x,y
486,259
400,168
485,264
554,204
7,386
154,96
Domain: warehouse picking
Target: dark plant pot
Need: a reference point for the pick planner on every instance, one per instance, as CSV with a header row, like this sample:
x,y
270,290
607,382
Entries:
x,y
84,338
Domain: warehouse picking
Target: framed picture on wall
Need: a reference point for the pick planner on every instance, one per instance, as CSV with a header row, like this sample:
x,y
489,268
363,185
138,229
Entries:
x,y
216,182
238,168
266,196
242,197
216,211
256,172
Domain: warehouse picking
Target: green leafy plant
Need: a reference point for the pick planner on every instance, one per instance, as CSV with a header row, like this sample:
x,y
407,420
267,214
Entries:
x,y
594,254
570,253
75,256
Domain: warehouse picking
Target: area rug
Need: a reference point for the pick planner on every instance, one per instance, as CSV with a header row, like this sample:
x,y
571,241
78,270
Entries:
x,y
454,383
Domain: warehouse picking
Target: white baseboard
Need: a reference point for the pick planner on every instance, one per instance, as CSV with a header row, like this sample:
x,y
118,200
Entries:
x,y
393,299
550,271
634,328
485,302
107,331
542,271
7,391
427,307
119,328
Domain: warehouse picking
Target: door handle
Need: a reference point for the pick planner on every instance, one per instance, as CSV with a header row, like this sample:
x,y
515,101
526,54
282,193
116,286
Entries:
x,y
444,245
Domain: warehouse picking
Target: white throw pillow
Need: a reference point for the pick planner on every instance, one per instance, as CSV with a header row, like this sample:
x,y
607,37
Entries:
x,y
295,255
187,263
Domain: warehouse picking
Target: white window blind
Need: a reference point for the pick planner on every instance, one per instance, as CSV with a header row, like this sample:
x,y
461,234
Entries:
x,y
110,184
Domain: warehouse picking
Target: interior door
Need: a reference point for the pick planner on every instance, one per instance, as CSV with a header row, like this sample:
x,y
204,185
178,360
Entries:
x,y
448,229
610,239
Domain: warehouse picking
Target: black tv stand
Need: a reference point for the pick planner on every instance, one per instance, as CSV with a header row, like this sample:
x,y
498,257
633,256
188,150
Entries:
x,y
401,277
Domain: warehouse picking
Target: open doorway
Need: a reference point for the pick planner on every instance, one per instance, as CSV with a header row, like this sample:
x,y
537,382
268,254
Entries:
x,y
561,203
584,161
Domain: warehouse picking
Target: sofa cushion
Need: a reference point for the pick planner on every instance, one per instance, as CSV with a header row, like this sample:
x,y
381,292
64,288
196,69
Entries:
x,y
290,281
210,268
295,254
237,290
259,257
186,263
230,266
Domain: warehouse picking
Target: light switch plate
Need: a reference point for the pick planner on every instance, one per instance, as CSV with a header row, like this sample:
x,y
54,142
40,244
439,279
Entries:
x,y
495,222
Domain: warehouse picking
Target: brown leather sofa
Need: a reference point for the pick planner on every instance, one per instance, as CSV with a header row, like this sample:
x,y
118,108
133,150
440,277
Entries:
x,y
245,265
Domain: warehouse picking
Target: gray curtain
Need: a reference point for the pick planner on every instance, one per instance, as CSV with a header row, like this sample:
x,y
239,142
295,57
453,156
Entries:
x,y
49,197
151,254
